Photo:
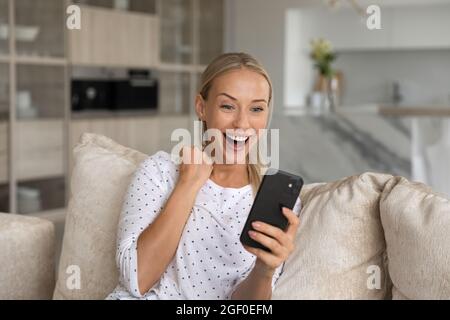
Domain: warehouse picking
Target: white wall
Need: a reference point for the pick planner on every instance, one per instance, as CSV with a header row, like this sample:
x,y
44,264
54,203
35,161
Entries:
x,y
423,77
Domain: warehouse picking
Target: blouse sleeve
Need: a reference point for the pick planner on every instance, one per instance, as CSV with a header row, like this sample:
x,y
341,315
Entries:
x,y
144,200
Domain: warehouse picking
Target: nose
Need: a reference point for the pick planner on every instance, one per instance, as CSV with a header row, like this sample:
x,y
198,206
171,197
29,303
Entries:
x,y
241,120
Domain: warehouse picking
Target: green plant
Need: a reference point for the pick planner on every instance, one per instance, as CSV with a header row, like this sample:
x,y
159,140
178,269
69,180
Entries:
x,y
323,55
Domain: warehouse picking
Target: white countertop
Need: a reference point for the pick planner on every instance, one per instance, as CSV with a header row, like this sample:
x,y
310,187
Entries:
x,y
378,109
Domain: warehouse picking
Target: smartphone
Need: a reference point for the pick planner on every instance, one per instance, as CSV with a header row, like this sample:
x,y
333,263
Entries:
x,y
278,189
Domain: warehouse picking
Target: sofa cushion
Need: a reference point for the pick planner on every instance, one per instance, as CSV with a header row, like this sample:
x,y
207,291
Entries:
x,y
102,172
416,221
27,268
340,247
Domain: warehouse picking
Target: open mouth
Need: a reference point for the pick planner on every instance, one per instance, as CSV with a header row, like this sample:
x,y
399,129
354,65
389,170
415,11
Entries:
x,y
236,141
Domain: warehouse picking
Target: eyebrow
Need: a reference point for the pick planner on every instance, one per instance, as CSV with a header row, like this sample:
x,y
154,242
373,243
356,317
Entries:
x,y
233,98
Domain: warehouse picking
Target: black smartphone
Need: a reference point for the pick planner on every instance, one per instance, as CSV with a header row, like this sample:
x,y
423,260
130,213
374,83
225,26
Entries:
x,y
277,190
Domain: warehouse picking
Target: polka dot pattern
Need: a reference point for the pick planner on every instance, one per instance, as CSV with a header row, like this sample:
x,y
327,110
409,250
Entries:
x,y
210,261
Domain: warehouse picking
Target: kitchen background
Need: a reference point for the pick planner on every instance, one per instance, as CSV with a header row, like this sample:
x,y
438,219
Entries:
x,y
132,71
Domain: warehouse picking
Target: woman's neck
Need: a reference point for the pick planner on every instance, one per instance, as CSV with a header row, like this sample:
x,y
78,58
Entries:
x,y
230,175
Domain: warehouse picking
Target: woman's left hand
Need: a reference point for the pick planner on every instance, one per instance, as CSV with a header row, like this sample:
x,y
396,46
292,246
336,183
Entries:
x,y
279,242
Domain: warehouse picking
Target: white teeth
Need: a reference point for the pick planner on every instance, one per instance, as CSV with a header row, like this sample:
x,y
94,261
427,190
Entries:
x,y
237,138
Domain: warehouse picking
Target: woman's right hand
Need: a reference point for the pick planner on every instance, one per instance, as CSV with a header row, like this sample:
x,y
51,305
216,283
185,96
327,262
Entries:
x,y
195,168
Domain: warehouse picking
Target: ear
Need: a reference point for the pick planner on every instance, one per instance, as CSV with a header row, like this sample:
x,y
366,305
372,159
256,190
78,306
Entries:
x,y
200,107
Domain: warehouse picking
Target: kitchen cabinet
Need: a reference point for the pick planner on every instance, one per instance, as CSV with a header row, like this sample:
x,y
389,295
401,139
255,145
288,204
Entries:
x,y
175,92
42,33
40,151
192,31
39,137
211,30
420,27
146,6
402,27
37,128
33,105
115,38
344,29
177,43
40,92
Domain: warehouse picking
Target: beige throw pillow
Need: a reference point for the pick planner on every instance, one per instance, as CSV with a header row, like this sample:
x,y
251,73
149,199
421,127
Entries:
x,y
340,247
102,172
416,221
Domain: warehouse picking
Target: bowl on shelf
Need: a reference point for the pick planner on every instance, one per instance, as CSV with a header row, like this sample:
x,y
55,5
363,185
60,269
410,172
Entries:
x,y
26,33
122,4
28,199
4,31
24,106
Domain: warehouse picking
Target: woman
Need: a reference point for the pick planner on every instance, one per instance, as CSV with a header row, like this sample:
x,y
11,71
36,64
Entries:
x,y
179,231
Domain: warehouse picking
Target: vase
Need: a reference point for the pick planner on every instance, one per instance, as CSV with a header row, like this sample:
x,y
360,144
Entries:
x,y
326,94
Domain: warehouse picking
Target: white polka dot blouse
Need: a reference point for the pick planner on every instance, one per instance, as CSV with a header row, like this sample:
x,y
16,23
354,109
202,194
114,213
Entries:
x,y
210,262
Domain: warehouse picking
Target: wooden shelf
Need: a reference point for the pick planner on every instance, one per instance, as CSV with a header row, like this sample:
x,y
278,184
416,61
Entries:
x,y
39,178
173,67
44,61
112,9
375,109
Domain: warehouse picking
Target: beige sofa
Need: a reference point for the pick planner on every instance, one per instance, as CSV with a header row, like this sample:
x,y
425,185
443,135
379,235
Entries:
x,y
370,236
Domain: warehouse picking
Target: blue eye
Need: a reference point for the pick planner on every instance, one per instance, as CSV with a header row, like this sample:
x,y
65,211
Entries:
x,y
257,109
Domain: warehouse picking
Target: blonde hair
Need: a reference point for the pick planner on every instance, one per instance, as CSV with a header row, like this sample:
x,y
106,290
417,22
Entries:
x,y
233,61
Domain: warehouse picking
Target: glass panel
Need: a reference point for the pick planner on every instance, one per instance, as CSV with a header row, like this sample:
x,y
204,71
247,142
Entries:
x,y
4,117
4,27
40,195
40,92
144,6
210,29
40,27
176,31
39,137
174,92
147,6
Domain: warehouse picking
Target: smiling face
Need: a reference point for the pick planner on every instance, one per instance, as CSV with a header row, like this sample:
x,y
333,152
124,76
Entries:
x,y
238,106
